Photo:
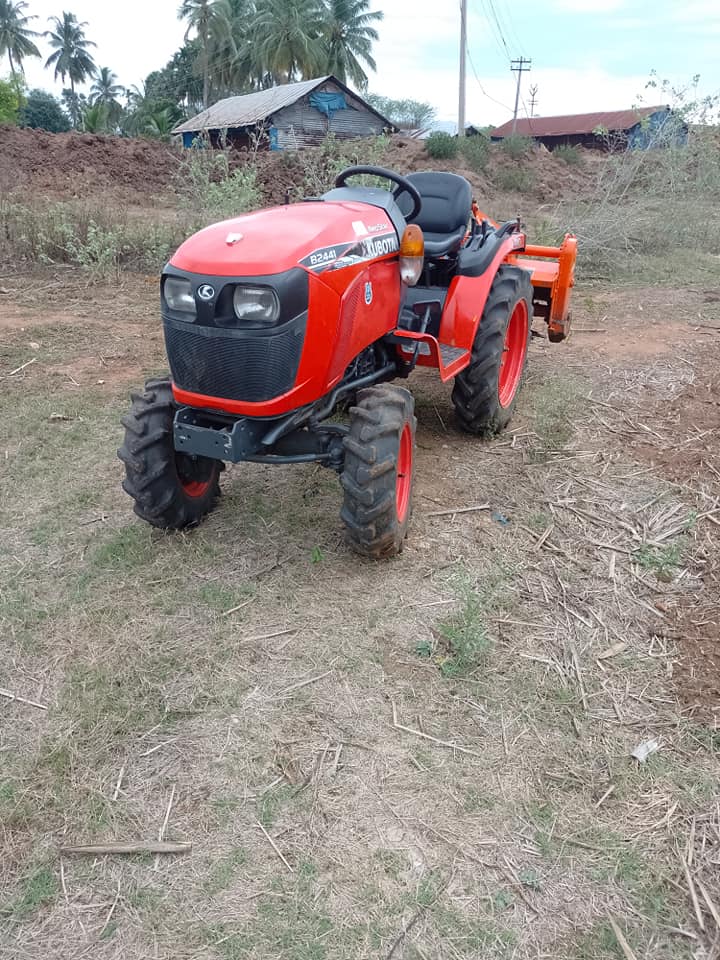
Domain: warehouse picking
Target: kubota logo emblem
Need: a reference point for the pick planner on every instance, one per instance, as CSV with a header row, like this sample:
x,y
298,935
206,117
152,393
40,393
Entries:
x,y
368,293
205,291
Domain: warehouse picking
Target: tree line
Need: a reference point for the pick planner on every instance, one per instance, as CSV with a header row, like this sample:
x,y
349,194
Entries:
x,y
230,47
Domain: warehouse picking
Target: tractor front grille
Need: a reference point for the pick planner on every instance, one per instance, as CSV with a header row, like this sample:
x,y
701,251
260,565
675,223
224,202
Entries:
x,y
235,364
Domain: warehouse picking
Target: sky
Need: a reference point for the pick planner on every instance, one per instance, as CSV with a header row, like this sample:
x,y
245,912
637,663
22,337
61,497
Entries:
x,y
586,55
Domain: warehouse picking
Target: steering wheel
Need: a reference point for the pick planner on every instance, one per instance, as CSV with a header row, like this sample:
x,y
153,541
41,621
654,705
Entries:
x,y
403,185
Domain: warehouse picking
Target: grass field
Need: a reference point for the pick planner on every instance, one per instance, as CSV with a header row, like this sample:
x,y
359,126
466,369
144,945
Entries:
x,y
427,758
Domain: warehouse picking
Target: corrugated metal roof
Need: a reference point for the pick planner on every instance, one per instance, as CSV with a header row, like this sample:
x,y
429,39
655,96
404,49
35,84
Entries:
x,y
243,111
253,107
614,120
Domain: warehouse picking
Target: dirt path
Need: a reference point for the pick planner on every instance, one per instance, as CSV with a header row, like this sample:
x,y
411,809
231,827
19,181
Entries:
x,y
426,758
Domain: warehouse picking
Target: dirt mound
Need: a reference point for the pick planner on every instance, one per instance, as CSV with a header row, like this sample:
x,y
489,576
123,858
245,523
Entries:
x,y
539,175
73,165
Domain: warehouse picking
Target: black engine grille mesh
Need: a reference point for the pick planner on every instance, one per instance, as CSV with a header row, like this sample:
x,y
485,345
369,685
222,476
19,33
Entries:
x,y
232,364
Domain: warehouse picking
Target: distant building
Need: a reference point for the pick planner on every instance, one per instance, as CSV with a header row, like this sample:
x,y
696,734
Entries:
x,y
287,117
641,128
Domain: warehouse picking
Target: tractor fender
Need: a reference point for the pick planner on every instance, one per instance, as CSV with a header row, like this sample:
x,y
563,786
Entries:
x,y
467,295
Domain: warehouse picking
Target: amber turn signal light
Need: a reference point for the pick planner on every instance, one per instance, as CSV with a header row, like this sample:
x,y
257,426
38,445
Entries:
x,y
412,254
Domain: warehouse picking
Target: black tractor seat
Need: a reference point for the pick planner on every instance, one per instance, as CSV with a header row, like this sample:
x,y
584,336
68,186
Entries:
x,y
446,210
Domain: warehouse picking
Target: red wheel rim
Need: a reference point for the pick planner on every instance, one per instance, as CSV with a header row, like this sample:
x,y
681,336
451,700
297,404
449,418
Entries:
x,y
195,478
513,356
194,488
404,473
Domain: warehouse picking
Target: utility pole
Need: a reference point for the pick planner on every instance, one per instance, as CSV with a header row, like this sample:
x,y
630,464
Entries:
x,y
463,53
518,67
533,99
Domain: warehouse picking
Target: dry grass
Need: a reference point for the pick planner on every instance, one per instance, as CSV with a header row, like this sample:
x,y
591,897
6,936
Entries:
x,y
427,758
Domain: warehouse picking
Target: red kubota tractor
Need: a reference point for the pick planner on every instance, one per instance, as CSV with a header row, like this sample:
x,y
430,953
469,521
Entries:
x,y
278,320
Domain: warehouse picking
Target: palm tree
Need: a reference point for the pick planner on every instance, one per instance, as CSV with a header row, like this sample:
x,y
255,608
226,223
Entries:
x,y
95,118
230,46
348,35
15,34
72,57
287,38
106,91
159,124
199,15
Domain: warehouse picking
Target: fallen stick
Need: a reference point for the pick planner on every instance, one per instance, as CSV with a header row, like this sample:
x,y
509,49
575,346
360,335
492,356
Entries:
x,y
711,906
118,784
238,607
693,895
269,636
451,513
275,847
138,846
163,828
624,945
108,918
8,694
21,367
426,736
303,683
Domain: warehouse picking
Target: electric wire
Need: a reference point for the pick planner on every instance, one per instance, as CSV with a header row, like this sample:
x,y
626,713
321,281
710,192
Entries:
x,y
482,89
500,30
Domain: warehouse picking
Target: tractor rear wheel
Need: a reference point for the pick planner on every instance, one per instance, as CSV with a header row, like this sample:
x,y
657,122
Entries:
x,y
171,490
485,391
378,473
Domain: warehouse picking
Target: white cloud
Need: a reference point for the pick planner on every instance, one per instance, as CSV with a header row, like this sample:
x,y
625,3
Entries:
x,y
417,55
418,58
133,38
589,6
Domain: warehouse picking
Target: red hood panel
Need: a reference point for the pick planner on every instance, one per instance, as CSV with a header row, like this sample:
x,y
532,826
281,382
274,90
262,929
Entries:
x,y
277,239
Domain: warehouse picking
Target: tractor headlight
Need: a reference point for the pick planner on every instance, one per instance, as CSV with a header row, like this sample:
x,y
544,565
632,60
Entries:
x,y
256,304
178,295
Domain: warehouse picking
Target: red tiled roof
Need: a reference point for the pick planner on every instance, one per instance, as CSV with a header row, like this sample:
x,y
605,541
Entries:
x,y
615,120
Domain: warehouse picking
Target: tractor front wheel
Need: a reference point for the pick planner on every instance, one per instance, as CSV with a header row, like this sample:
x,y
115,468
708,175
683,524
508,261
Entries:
x,y
378,473
485,391
171,490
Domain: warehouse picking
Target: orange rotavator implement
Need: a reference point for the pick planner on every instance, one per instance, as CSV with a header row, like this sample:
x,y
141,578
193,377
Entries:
x,y
283,328
552,275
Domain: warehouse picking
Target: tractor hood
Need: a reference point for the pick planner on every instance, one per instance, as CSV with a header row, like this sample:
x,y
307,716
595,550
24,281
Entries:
x,y
313,234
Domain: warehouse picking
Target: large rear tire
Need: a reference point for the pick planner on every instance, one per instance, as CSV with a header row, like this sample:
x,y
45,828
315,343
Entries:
x,y
171,490
378,473
485,392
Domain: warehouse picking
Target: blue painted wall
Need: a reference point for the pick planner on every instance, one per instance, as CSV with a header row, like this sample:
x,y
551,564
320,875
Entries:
x,y
660,129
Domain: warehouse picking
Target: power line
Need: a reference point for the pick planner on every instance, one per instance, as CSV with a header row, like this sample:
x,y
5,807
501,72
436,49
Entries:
x,y
484,13
508,19
500,30
482,89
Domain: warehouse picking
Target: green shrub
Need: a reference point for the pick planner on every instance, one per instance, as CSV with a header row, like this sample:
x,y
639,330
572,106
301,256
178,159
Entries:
x,y
95,239
441,146
43,111
210,191
476,151
320,165
516,146
571,155
11,100
514,179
